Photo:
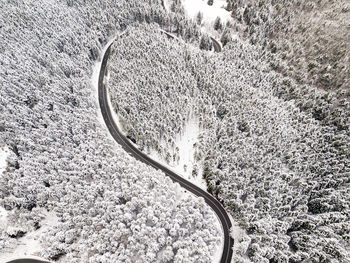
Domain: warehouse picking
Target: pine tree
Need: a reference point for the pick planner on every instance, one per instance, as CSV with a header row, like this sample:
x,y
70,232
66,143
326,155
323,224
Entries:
x,y
225,38
218,24
199,18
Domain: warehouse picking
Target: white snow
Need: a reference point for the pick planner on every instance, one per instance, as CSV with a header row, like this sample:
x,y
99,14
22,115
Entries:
x,y
242,241
167,4
186,144
3,217
29,245
210,13
4,152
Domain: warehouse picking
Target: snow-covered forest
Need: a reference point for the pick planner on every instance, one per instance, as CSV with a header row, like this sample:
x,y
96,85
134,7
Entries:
x,y
273,146
62,162
309,39
275,150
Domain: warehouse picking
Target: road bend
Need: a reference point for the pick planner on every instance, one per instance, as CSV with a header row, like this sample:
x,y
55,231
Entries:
x,y
137,154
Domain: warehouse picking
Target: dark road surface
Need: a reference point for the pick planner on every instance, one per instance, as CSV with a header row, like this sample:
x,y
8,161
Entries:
x,y
216,45
132,150
27,261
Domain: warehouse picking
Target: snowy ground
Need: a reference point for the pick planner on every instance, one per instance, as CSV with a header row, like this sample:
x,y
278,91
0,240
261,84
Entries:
x,y
242,241
27,246
210,13
186,144
4,152
167,4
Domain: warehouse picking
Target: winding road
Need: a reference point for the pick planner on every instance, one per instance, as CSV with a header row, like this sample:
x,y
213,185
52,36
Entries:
x,y
216,45
133,151
28,260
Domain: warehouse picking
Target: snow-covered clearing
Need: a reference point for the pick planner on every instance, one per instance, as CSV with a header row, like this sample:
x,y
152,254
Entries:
x,y
167,4
27,246
4,152
210,13
242,241
185,146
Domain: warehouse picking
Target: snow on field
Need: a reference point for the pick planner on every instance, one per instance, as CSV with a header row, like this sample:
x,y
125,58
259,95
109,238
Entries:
x,y
242,241
210,13
27,246
3,217
185,143
4,152
167,4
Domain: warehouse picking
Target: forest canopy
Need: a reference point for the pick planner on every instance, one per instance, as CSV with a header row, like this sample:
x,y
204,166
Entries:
x,y
271,150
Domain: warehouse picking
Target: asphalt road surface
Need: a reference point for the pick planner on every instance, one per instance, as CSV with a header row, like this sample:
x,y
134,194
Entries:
x,y
216,45
132,150
27,261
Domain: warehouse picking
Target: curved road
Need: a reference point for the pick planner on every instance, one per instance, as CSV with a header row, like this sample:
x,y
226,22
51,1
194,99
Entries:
x,y
132,150
216,45
28,260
